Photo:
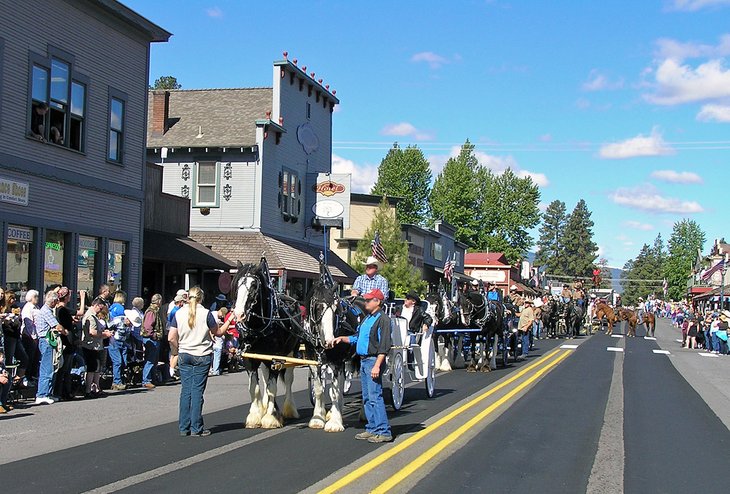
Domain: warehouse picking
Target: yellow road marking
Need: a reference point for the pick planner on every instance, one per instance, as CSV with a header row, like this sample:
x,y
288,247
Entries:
x,y
379,460
438,447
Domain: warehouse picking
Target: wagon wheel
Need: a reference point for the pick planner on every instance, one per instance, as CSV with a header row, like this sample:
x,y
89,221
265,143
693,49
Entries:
x,y
505,351
430,380
398,386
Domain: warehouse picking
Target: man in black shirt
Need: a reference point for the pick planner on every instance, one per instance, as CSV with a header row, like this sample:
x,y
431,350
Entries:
x,y
38,121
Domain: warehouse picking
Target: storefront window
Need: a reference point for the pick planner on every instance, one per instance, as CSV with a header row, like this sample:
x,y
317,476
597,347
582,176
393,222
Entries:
x,y
88,246
117,249
17,271
53,258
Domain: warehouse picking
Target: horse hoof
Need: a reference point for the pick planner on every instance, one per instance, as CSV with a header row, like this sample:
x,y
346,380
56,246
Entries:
x,y
271,422
471,368
333,427
486,368
253,424
290,411
316,424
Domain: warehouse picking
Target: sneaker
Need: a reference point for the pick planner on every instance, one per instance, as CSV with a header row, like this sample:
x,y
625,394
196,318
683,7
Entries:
x,y
363,436
380,438
54,398
149,386
3,410
119,387
203,433
184,434
44,400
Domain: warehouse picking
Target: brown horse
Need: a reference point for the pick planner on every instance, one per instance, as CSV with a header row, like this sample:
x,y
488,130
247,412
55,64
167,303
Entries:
x,y
650,322
630,317
602,310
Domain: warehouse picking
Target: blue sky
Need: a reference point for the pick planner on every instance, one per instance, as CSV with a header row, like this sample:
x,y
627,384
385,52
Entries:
x,y
625,104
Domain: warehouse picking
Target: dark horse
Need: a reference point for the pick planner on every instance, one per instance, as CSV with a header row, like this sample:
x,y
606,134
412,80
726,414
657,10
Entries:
x,y
329,317
575,319
487,315
444,315
550,316
270,324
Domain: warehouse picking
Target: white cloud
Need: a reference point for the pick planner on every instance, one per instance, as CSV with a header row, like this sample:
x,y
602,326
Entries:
x,y
647,198
676,177
676,83
434,60
714,113
497,164
679,51
600,82
363,176
695,5
641,145
637,225
406,129
214,12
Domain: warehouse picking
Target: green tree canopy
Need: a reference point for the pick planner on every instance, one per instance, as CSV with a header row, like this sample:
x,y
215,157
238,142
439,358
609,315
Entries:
x,y
642,276
550,253
508,209
405,173
454,197
166,82
402,276
579,248
686,239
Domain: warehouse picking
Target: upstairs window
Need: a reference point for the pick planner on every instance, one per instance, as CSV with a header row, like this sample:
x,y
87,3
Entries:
x,y
206,184
437,251
58,103
116,129
290,189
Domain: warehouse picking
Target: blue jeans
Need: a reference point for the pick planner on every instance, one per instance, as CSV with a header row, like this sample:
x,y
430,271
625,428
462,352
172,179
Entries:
x,y
193,378
118,354
151,352
372,398
217,351
45,377
525,335
536,328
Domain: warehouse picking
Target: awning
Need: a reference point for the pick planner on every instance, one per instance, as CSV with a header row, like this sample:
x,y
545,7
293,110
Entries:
x,y
165,247
457,275
299,259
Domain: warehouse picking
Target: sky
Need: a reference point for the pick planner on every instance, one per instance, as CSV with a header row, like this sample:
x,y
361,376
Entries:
x,y
624,104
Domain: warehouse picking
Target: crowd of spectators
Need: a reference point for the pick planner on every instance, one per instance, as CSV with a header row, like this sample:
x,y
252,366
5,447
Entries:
x,y
103,343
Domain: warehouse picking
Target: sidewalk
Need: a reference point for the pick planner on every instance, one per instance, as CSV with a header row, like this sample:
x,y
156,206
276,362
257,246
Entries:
x,y
32,430
709,376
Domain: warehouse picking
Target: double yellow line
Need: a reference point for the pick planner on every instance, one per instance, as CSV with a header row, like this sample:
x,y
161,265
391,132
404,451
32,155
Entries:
x,y
552,359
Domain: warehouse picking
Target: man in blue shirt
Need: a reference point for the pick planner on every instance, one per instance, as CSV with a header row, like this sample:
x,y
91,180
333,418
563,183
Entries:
x,y
372,344
371,280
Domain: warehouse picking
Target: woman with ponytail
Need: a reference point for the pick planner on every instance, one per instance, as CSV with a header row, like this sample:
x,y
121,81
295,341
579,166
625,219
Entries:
x,y
191,332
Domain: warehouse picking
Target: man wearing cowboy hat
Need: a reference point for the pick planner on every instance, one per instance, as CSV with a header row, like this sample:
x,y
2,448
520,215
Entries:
x,y
527,318
371,280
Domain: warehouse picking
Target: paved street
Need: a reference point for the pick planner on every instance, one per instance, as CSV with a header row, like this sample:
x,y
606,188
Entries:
x,y
566,420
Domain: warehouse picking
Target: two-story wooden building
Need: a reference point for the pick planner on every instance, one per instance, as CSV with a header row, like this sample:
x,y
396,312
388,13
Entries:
x,y
73,104
248,159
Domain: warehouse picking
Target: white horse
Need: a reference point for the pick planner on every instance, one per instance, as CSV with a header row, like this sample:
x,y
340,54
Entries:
x,y
262,317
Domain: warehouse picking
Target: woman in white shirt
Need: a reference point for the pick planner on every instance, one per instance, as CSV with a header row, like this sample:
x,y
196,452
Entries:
x,y
191,332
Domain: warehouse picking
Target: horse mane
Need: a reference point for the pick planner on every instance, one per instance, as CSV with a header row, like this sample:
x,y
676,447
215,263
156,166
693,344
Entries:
x,y
322,292
243,269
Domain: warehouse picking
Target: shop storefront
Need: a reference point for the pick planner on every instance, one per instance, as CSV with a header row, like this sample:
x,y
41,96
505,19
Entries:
x,y
87,265
115,273
18,258
53,258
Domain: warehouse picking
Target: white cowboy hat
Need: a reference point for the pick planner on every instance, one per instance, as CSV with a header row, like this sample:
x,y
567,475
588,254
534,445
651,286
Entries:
x,y
475,282
513,287
133,317
372,260
538,303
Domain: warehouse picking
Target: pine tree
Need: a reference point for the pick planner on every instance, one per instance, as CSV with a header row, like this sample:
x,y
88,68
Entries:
x,y
406,174
508,210
687,238
606,277
579,248
454,197
550,253
402,276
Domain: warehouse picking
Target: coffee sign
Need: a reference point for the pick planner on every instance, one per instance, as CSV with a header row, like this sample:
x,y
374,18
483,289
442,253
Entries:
x,y
332,197
14,192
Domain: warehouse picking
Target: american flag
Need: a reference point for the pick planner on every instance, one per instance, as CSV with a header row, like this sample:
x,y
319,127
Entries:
x,y
378,250
717,267
449,266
